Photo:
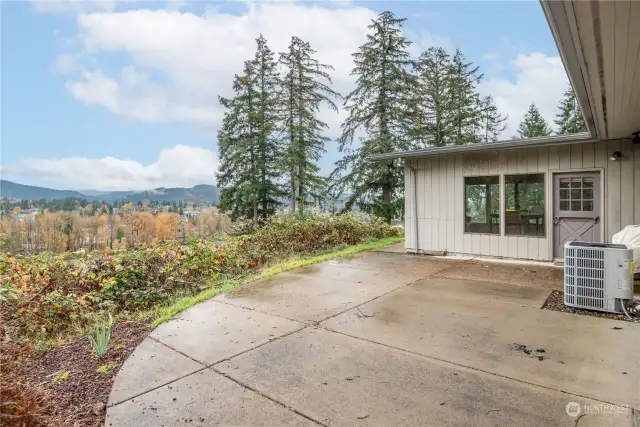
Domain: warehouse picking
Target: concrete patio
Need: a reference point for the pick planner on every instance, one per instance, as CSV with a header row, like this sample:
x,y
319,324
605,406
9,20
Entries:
x,y
383,339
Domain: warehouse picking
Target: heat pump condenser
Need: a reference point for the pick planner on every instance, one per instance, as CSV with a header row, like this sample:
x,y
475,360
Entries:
x,y
597,276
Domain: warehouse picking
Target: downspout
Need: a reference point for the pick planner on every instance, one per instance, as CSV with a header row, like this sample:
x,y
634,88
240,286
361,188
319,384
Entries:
x,y
415,204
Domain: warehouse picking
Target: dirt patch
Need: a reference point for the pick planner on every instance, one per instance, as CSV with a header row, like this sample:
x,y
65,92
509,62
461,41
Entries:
x,y
523,275
556,302
71,375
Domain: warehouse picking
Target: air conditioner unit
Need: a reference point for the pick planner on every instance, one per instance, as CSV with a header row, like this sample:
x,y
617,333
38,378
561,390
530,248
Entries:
x,y
597,276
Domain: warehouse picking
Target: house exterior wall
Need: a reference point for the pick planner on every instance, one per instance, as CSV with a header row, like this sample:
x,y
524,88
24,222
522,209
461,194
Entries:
x,y
440,195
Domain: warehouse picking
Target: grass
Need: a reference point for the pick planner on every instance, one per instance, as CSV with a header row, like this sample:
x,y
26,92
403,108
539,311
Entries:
x,y
167,313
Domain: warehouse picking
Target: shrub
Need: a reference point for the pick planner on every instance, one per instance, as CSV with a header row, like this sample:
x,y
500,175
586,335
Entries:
x,y
22,403
46,293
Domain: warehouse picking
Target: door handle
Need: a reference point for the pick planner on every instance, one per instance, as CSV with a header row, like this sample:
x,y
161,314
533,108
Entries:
x,y
596,219
556,220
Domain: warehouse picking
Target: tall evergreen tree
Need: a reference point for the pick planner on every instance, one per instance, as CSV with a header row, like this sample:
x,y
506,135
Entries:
x,y
377,111
266,83
466,117
306,86
247,144
432,102
533,125
570,119
492,123
236,175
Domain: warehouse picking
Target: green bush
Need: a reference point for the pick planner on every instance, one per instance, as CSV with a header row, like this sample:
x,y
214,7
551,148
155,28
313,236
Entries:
x,y
48,292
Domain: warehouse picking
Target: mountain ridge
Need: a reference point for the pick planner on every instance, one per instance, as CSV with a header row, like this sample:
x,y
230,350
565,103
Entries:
x,y
197,193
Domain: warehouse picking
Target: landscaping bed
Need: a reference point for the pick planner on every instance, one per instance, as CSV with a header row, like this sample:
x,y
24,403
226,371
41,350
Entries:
x,y
80,382
50,302
556,302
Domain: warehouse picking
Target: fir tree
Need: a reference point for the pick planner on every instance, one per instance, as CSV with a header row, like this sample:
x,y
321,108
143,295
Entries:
x,y
433,104
492,122
266,83
247,144
236,175
378,111
306,86
570,119
533,125
466,117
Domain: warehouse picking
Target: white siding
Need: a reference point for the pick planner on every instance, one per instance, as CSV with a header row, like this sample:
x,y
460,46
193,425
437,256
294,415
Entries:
x,y
441,195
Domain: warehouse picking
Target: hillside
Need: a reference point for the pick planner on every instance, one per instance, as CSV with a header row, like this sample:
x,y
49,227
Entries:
x,y
13,190
202,193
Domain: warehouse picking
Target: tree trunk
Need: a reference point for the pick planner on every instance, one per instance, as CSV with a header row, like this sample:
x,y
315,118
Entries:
x,y
255,210
386,201
293,191
300,197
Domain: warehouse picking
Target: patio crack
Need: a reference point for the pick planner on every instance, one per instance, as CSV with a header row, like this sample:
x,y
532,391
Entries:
x,y
266,396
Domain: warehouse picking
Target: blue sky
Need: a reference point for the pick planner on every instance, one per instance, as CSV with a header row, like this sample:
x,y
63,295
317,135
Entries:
x,y
107,95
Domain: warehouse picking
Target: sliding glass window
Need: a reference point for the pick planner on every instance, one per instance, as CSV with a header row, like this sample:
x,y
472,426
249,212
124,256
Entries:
x,y
482,204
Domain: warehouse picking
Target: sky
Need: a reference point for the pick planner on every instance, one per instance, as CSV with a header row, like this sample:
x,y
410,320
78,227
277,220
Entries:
x,y
123,95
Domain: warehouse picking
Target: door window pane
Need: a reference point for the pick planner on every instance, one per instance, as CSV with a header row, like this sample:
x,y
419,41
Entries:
x,y
579,197
482,204
587,205
525,212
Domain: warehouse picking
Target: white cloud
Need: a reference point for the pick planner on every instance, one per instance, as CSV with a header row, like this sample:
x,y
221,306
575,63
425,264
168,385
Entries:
x,y
196,56
178,166
539,78
64,6
134,95
178,63
66,63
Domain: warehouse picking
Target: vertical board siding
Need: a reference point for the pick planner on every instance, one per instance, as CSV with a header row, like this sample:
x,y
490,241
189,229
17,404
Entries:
x,y
626,183
575,162
588,155
440,183
459,205
613,190
636,183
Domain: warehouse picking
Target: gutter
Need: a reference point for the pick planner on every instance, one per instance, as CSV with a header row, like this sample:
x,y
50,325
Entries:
x,y
483,146
415,204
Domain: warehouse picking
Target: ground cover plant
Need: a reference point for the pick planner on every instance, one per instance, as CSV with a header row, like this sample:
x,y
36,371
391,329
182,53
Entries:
x,y
50,304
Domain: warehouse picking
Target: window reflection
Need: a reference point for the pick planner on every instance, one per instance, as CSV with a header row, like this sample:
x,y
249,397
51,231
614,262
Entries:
x,y
482,204
524,204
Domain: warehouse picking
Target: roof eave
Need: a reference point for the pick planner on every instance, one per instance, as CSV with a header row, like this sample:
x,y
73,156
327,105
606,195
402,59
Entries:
x,y
486,146
561,18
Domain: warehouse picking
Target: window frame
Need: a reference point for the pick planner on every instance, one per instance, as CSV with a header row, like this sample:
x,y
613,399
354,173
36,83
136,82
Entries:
x,y
595,211
544,211
500,204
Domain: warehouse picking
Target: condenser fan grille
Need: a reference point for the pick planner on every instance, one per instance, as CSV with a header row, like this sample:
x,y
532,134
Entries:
x,y
584,278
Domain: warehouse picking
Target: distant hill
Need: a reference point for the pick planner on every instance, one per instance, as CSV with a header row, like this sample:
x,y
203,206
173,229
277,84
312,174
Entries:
x,y
30,192
201,193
